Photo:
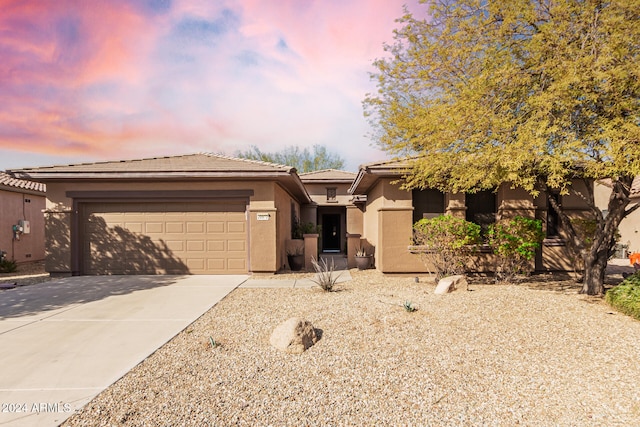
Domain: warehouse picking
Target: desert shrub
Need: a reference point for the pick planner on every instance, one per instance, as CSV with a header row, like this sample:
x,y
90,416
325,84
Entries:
x,y
514,242
626,296
8,266
409,307
326,276
447,243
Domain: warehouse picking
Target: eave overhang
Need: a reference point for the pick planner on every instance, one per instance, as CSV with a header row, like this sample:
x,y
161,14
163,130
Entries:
x,y
369,174
287,178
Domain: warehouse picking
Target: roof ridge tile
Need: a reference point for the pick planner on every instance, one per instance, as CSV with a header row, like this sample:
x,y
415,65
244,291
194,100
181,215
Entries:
x,y
260,162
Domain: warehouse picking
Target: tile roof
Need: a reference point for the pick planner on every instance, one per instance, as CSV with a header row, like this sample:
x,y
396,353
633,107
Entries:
x,y
328,175
394,163
201,162
9,181
369,173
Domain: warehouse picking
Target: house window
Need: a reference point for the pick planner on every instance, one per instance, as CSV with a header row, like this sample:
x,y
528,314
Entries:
x,y
553,219
481,208
331,194
427,203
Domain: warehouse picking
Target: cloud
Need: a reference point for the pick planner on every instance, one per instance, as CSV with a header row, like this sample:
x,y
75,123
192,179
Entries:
x,y
119,78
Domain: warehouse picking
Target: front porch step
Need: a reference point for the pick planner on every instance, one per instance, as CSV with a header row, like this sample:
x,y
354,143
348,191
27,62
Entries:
x,y
339,260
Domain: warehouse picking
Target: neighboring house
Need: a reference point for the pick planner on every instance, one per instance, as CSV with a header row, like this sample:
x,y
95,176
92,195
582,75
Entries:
x,y
212,214
630,226
196,214
328,190
21,205
389,213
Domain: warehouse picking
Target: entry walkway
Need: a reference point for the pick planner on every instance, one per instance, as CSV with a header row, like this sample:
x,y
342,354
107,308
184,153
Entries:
x,y
64,341
341,270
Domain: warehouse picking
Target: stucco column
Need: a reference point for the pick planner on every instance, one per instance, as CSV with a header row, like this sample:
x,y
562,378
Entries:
x,y
262,240
309,213
456,205
394,237
58,243
310,250
353,243
355,220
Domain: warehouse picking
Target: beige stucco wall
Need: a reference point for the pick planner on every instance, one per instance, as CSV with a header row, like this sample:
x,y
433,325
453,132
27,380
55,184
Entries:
x,y
58,201
318,193
387,227
630,226
15,206
370,220
555,255
395,233
387,224
266,238
630,230
58,242
283,201
355,220
514,202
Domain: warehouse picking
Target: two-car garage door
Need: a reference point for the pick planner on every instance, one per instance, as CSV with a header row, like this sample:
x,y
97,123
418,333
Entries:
x,y
164,238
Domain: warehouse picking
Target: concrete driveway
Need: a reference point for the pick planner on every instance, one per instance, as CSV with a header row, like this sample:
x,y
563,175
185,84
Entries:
x,y
62,342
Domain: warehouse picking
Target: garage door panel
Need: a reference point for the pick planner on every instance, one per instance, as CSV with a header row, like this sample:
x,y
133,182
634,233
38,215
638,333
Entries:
x,y
153,227
236,226
136,227
237,264
164,238
216,245
175,227
195,246
216,264
197,264
236,246
215,227
195,227
176,245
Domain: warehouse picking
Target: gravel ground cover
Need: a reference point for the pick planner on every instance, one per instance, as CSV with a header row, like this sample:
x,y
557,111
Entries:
x,y
28,273
528,354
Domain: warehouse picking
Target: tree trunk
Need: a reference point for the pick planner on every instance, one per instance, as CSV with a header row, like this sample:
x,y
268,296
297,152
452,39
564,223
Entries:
x,y
596,257
595,266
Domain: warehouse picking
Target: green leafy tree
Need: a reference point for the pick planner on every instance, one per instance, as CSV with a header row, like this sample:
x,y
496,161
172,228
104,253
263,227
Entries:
x,y
537,93
304,160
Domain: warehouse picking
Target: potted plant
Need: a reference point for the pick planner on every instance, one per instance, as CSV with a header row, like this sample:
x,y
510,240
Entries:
x,y
299,229
363,261
295,256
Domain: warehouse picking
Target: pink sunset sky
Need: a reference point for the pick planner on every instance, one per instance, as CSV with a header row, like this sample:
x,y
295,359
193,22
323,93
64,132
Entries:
x,y
120,79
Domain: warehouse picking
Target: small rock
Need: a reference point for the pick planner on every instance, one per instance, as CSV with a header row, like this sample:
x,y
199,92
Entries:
x,y
293,336
450,284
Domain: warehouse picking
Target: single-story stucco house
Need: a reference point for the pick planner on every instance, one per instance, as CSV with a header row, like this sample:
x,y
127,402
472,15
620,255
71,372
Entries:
x,y
213,214
195,214
21,222
389,213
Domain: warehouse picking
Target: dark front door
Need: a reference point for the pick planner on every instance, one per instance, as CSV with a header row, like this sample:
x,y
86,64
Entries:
x,y
331,233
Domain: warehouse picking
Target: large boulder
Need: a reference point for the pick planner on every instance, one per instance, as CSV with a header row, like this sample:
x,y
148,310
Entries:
x,y
450,284
293,336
